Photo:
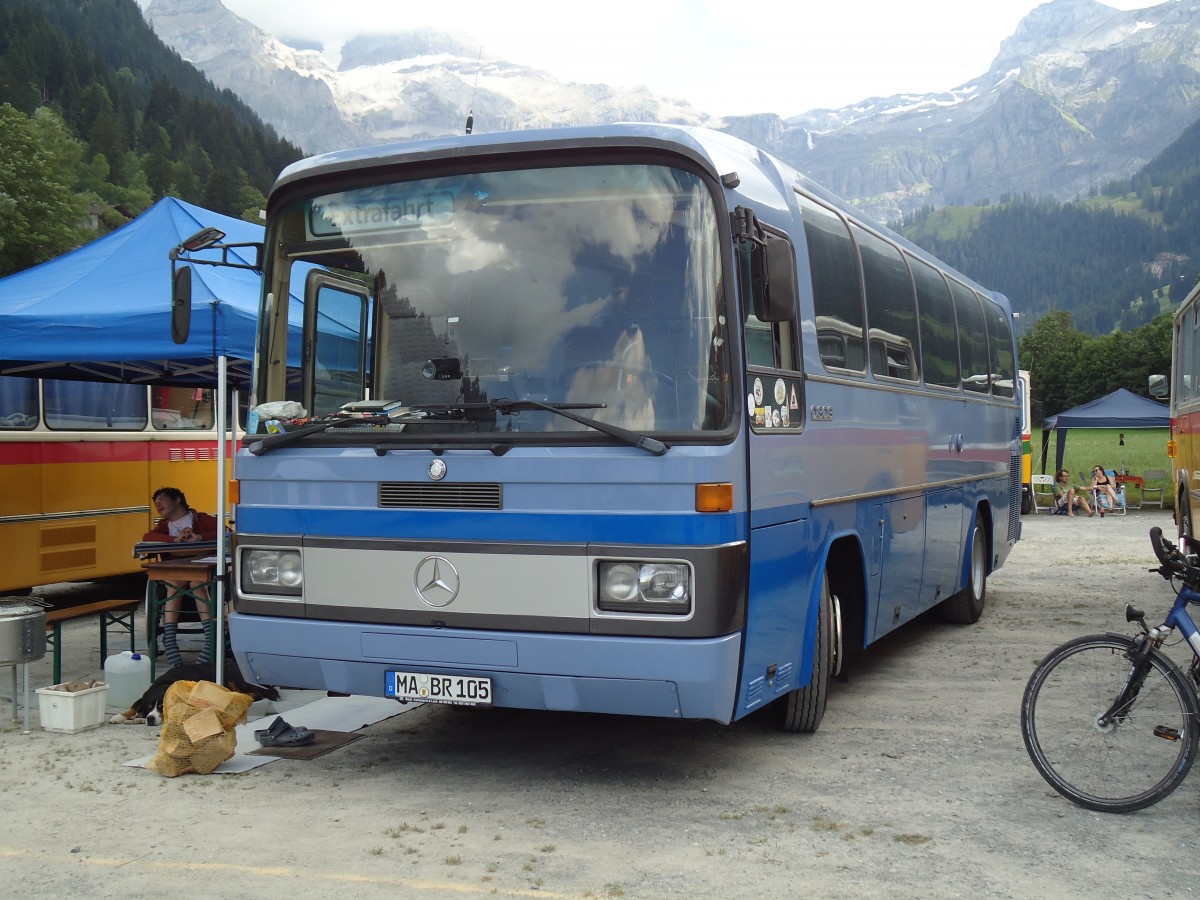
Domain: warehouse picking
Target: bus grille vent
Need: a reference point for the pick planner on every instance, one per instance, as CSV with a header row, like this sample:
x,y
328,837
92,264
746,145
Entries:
x,y
421,495
70,534
62,560
1014,497
191,454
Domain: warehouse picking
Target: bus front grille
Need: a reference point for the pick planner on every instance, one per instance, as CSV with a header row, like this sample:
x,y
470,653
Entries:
x,y
420,495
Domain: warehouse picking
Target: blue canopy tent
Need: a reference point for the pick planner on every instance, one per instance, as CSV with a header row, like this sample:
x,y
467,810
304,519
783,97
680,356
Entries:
x,y
103,311
1120,409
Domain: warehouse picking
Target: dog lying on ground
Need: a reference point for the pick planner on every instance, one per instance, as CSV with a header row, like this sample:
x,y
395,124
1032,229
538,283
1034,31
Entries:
x,y
148,708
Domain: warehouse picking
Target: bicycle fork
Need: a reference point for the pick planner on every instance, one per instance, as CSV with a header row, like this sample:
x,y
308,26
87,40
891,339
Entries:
x,y
1147,641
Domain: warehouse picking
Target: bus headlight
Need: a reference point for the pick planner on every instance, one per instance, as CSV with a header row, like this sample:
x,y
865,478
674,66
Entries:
x,y
271,571
645,587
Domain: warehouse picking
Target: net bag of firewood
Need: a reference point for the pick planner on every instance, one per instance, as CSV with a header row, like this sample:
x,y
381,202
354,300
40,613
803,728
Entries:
x,y
199,729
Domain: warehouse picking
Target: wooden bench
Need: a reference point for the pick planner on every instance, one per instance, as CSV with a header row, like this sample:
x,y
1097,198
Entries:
x,y
111,612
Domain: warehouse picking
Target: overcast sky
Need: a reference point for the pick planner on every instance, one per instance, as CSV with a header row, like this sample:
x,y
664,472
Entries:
x,y
781,56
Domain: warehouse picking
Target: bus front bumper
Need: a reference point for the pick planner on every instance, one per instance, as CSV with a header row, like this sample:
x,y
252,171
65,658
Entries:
x,y
680,678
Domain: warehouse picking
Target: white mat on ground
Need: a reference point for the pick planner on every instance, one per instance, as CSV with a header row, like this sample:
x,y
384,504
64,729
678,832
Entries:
x,y
325,714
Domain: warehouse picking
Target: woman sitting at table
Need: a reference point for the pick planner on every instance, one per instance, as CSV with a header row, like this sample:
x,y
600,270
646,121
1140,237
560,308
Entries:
x,y
179,523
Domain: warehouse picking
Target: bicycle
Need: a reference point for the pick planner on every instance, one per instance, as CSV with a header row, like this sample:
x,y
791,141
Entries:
x,y
1109,720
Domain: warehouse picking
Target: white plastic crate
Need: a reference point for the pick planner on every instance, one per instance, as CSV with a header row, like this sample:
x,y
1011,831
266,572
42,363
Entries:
x,y
68,712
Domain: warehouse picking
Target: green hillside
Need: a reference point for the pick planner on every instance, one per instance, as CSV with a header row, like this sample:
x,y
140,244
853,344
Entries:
x,y
98,119
1113,260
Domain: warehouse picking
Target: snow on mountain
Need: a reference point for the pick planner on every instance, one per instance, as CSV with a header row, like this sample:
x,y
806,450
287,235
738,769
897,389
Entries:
x,y
420,83
1079,94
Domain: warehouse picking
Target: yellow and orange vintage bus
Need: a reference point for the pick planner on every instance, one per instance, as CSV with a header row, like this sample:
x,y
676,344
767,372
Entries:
x,y
1184,445
79,461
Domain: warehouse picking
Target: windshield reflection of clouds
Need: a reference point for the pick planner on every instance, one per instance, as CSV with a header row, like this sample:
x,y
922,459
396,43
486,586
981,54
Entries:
x,y
581,285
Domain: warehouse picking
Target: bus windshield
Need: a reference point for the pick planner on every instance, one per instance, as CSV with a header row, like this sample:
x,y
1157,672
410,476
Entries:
x,y
597,286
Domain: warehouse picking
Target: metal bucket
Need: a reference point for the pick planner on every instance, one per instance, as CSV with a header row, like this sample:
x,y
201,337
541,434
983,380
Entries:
x,y
22,631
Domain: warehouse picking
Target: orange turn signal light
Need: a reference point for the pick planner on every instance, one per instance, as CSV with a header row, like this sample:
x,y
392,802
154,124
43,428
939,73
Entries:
x,y
235,491
714,497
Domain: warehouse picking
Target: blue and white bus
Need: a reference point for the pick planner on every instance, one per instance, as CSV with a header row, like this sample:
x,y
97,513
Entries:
x,y
631,419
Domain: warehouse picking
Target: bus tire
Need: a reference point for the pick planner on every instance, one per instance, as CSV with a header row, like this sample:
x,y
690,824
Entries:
x,y
801,710
965,607
1183,515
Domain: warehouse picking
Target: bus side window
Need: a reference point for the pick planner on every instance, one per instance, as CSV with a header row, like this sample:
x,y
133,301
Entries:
x,y
18,403
335,359
837,293
891,308
1000,338
972,339
939,346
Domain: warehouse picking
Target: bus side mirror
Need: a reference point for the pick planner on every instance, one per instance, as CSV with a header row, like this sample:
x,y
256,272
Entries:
x,y
777,300
181,304
1159,387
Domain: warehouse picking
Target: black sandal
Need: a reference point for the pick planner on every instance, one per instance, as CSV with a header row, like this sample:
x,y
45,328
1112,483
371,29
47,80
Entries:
x,y
281,734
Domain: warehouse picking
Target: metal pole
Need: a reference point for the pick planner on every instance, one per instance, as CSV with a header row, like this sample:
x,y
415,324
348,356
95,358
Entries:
x,y
222,444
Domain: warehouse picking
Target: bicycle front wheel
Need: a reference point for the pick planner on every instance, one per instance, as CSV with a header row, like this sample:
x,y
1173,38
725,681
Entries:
x,y
1129,763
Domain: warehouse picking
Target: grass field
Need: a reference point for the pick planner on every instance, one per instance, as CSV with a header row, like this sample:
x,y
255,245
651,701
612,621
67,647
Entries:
x,y
1144,448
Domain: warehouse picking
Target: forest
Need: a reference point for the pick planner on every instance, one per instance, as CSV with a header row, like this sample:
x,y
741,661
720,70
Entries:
x,y
99,119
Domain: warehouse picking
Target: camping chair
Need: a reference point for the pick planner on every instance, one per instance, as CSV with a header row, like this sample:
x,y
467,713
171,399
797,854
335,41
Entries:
x,y
1104,502
1043,493
1160,476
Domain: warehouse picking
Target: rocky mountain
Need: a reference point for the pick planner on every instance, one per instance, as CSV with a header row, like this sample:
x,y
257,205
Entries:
x,y
421,83
1079,94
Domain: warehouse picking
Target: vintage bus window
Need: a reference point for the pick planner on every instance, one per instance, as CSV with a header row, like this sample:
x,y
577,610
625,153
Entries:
x,y
972,339
939,345
1185,342
596,285
1000,339
891,309
18,403
94,406
181,409
837,295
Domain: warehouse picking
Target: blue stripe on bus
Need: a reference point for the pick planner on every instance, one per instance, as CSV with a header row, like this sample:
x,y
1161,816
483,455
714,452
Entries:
x,y
631,528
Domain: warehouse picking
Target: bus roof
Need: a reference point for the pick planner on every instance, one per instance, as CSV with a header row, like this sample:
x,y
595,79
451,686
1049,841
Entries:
x,y
718,153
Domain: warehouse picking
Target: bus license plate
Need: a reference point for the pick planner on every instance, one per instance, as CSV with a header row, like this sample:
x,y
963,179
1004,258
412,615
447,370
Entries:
x,y
457,690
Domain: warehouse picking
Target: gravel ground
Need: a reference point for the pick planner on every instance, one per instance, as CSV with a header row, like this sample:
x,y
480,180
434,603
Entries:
x,y
916,785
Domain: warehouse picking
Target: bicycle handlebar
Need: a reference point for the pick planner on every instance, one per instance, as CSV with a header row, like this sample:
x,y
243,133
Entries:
x,y
1174,563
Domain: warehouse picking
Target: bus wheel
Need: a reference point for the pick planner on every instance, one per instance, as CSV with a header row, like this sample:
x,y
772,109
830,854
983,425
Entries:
x,y
965,607
801,710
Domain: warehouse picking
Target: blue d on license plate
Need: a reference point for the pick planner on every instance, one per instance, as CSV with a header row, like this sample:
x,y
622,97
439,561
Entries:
x,y
458,690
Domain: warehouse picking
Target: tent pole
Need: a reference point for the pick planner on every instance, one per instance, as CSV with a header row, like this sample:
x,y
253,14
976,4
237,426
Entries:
x,y
222,445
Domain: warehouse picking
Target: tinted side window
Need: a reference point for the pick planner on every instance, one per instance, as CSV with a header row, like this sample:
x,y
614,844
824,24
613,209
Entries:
x,y
1000,339
972,339
18,403
939,345
837,297
88,406
891,309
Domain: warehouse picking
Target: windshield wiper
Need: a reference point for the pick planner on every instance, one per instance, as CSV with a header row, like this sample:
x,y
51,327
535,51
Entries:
x,y
439,413
274,441
632,438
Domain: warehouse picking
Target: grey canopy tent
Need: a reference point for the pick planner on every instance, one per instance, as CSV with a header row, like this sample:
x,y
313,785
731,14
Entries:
x,y
1120,409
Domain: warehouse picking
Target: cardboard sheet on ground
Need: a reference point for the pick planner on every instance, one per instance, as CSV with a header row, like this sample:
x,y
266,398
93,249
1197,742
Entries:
x,y
326,714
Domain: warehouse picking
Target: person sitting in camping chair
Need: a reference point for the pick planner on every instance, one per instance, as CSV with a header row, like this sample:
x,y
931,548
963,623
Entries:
x,y
1104,490
1066,499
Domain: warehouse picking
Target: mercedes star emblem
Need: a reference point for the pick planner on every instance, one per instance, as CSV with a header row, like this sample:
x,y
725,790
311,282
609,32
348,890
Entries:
x,y
436,581
437,470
